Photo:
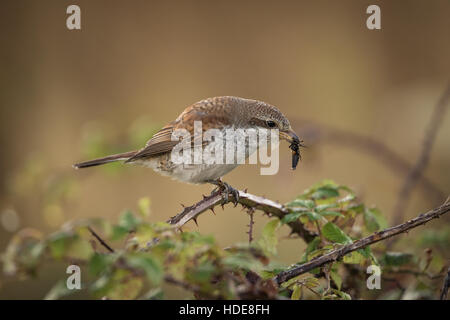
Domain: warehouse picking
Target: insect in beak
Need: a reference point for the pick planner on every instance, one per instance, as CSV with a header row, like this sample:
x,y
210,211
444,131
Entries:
x,y
295,145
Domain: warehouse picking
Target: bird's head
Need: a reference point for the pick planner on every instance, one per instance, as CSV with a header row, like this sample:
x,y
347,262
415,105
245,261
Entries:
x,y
262,115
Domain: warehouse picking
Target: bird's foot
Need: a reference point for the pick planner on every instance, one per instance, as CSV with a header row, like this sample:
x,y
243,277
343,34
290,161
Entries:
x,y
226,190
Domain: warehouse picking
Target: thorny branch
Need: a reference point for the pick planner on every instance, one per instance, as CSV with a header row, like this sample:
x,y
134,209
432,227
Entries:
x,y
337,254
252,202
248,201
102,242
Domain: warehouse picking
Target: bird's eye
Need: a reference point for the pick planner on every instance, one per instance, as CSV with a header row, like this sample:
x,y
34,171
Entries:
x,y
271,124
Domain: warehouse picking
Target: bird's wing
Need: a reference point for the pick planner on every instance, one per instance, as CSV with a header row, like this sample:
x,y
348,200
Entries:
x,y
162,141
159,144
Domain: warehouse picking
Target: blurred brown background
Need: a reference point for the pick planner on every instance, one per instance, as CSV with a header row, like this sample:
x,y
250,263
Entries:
x,y
135,65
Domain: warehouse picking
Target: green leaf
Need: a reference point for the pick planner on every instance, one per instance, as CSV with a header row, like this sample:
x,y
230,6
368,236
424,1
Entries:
x,y
374,220
356,208
305,203
122,285
337,279
268,241
312,246
57,244
296,292
144,206
100,262
129,221
151,266
291,217
312,216
118,233
331,214
79,249
343,295
202,273
333,233
322,207
312,282
396,258
325,192
354,257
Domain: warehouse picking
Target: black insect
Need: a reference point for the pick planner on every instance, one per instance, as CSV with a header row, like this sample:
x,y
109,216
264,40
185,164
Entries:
x,y
295,147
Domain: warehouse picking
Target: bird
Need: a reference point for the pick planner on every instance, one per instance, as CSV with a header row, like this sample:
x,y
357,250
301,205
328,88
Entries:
x,y
222,113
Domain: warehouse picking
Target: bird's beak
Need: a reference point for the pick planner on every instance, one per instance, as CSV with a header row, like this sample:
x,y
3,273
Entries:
x,y
290,136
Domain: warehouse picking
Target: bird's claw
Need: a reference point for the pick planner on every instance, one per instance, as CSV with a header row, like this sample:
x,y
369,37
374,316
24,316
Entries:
x,y
229,189
226,190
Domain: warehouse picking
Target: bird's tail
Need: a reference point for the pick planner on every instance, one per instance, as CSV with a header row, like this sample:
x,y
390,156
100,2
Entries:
x,y
99,161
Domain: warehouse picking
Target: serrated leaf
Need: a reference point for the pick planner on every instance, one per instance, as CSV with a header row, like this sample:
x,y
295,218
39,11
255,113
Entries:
x,y
202,273
343,295
118,233
312,282
99,263
312,246
243,261
331,214
122,286
296,292
78,249
356,208
129,221
151,266
374,220
322,207
57,244
333,233
269,240
347,198
312,216
337,279
305,203
325,192
354,257
291,217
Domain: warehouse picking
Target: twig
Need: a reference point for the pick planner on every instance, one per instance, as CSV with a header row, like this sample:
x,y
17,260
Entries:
x,y
445,285
337,254
416,172
102,242
247,200
250,212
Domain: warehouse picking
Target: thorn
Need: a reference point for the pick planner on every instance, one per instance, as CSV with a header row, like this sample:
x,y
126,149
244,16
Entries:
x,y
222,205
212,209
183,205
204,197
245,190
195,220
